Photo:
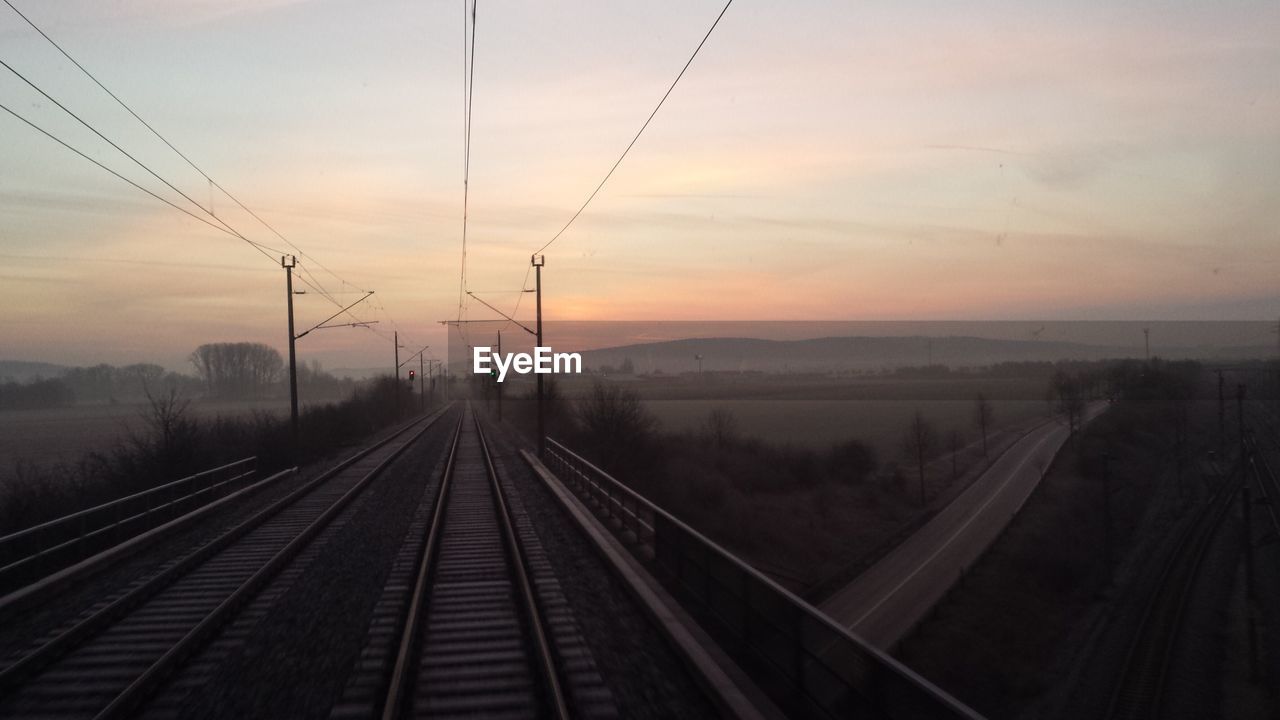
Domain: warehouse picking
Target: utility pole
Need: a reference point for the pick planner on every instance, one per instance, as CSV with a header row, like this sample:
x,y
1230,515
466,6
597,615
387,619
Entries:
x,y
396,375
288,262
1146,342
1222,418
499,384
1250,594
1106,510
1240,420
538,261
422,387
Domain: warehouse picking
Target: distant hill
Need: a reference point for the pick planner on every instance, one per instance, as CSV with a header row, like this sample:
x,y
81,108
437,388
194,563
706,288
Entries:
x,y
868,353
22,371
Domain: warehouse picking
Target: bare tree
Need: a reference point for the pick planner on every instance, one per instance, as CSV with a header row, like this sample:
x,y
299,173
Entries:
x,y
721,427
983,416
1069,394
615,423
919,441
237,370
170,432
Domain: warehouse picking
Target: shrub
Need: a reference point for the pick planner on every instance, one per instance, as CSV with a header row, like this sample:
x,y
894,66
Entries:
x,y
615,424
172,444
852,462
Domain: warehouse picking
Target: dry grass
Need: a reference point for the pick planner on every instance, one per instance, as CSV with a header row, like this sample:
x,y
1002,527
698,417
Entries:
x,y
64,434
818,424
173,439
792,505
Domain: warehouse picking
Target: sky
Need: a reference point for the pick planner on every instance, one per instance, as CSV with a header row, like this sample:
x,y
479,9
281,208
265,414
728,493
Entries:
x,y
818,161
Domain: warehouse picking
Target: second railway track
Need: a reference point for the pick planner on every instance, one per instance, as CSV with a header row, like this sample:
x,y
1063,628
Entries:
x,y
108,662
1140,687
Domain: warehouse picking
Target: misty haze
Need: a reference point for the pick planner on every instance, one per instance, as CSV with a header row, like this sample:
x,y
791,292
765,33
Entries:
x,y
904,361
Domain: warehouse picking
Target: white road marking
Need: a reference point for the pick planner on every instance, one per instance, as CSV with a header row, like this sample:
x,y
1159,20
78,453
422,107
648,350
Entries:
x,y
990,499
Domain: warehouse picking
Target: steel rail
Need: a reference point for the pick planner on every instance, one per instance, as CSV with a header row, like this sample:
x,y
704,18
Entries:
x,y
520,566
134,695
1268,483
85,630
19,535
1140,688
398,689
450,618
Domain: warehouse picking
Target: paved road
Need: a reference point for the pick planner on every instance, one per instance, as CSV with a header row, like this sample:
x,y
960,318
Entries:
x,y
883,603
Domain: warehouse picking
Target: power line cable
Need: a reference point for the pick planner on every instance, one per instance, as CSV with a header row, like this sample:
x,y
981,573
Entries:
x,y
309,280
529,270
257,246
469,74
524,284
641,131
171,146
316,284
127,154
305,276
221,225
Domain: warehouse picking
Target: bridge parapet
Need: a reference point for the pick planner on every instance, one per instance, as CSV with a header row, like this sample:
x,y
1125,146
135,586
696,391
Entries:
x,y
808,664
39,550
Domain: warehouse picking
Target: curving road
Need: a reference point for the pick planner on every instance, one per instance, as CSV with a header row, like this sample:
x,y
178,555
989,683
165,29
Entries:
x,y
887,600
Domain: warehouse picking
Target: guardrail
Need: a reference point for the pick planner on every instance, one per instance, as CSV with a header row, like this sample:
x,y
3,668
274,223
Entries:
x,y
39,550
808,664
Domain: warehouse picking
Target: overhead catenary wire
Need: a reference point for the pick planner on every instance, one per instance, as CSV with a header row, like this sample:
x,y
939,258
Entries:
x,y
315,283
468,92
162,138
304,275
257,246
309,280
524,284
126,153
638,133
468,71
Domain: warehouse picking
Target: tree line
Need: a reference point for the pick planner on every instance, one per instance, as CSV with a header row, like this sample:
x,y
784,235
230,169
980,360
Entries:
x,y
95,384
224,371
237,370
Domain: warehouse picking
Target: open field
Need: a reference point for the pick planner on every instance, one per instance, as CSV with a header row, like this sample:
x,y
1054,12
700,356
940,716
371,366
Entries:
x,y
64,434
816,412
819,424
745,386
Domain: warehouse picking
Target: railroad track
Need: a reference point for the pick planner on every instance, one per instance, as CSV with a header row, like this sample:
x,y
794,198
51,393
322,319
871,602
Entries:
x,y
474,641
1268,484
109,662
1140,686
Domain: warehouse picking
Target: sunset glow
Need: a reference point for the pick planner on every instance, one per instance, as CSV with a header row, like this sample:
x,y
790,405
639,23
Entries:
x,y
818,161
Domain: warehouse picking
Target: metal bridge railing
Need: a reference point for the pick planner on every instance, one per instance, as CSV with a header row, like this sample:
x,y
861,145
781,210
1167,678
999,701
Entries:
x,y
808,664
40,550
